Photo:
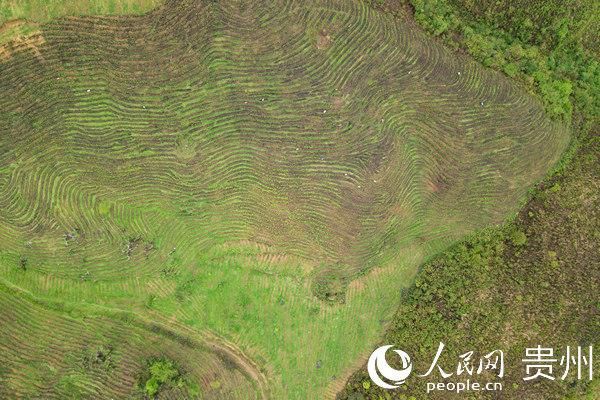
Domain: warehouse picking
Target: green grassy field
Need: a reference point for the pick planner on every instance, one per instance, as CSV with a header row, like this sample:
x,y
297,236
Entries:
x,y
43,11
260,178
21,18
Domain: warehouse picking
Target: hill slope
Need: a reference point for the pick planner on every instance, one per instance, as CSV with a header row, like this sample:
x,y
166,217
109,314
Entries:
x,y
271,172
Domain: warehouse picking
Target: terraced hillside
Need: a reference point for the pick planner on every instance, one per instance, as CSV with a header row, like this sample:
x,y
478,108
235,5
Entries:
x,y
100,355
260,177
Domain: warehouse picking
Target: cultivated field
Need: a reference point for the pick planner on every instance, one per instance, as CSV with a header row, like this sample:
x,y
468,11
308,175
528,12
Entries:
x,y
242,186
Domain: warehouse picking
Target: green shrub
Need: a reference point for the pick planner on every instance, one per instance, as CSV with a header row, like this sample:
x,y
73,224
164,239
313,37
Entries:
x,y
161,372
518,238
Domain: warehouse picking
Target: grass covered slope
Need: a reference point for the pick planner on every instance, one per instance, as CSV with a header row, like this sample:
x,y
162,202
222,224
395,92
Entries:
x,y
43,11
20,19
272,172
53,351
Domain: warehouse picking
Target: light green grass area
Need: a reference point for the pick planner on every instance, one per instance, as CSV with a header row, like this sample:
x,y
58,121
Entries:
x,y
268,174
22,17
45,10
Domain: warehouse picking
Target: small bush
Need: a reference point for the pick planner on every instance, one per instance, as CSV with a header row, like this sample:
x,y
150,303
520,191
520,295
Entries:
x,y
161,373
518,238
